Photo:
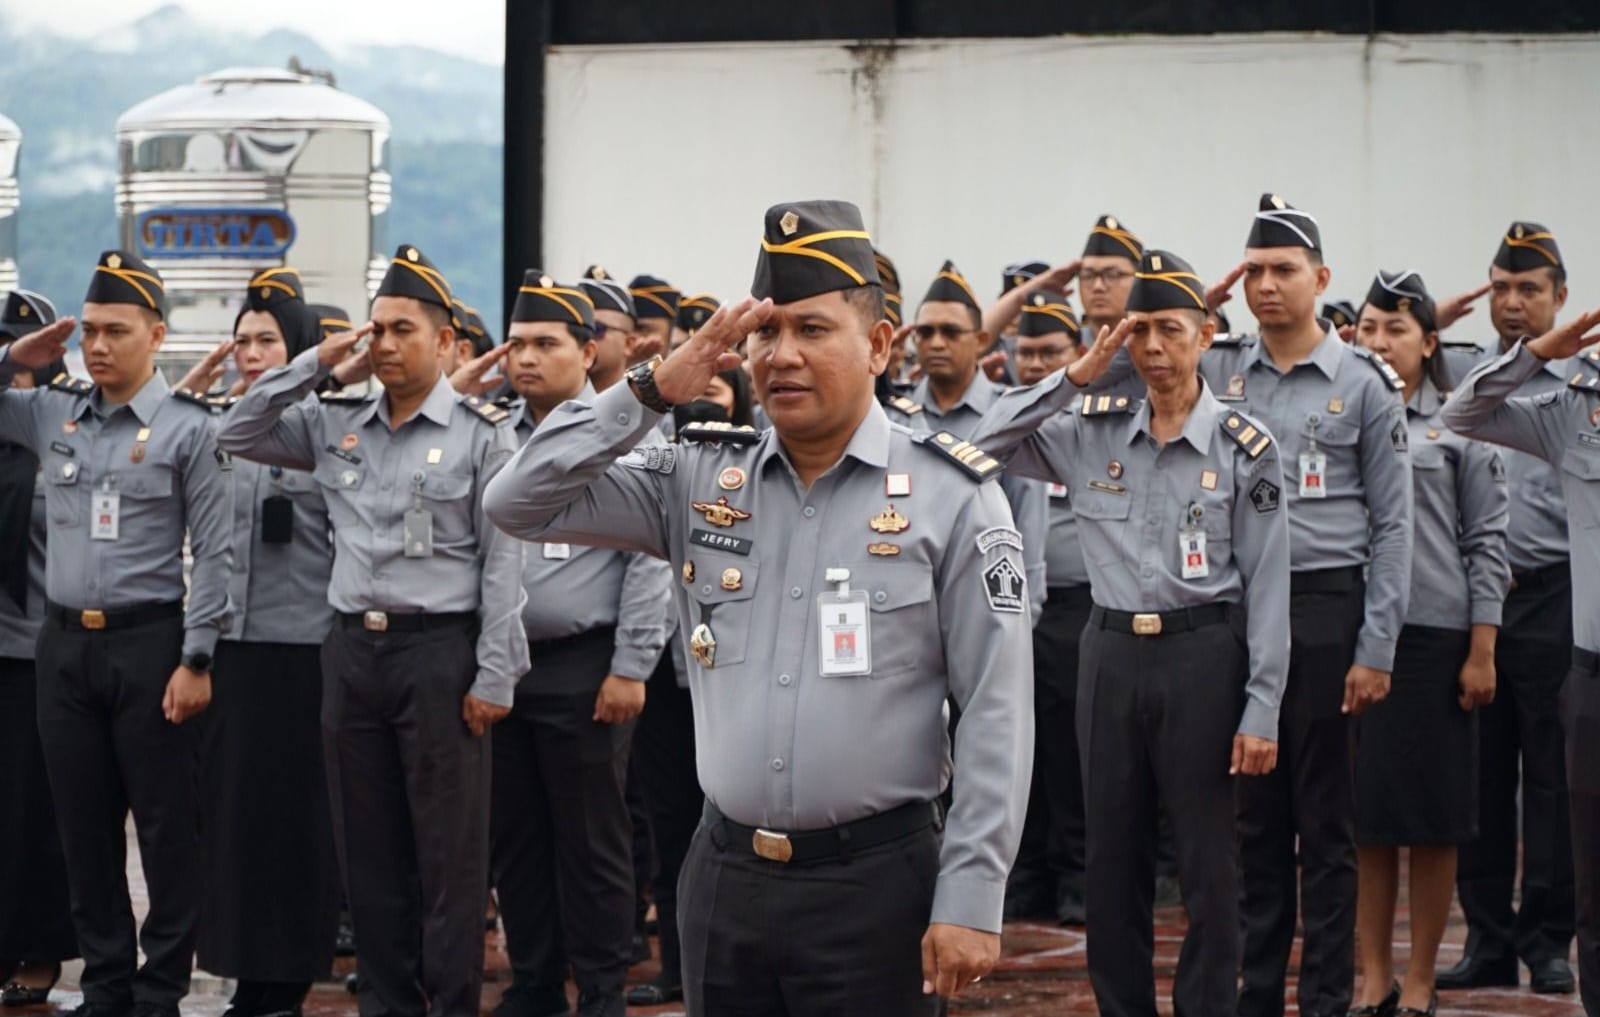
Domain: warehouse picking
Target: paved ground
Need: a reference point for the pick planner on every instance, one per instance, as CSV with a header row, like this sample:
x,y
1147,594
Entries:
x,y
1041,975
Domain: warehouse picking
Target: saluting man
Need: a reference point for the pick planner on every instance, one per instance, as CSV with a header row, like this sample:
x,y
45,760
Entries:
x,y
1179,508
839,579
130,468
427,644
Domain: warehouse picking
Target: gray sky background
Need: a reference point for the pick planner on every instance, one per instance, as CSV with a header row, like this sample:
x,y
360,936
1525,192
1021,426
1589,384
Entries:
x,y
474,28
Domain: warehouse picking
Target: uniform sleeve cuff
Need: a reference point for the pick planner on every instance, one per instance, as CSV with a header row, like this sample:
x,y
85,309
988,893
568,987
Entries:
x,y
200,639
635,662
1375,653
1487,612
968,902
493,688
1259,721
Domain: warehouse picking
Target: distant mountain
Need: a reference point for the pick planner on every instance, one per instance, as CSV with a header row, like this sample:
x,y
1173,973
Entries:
x,y
66,94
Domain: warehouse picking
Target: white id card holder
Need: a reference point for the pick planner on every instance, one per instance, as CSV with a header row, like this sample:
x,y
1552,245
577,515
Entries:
x,y
419,534
1313,475
844,625
105,509
1192,552
557,552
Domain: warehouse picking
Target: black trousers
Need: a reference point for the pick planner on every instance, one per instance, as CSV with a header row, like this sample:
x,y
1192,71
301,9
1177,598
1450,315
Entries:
x,y
36,917
409,789
273,905
642,845
1052,848
1520,746
562,857
1580,714
1156,720
840,938
109,749
663,754
1307,802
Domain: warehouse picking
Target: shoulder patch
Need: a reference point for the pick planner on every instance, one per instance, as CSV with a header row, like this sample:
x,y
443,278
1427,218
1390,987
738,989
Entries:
x,y
485,409
345,398
220,401
652,458
1091,405
1389,374
1247,434
1585,380
717,431
65,382
968,458
910,407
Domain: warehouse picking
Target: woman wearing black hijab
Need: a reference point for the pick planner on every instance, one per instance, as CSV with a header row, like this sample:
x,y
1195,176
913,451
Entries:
x,y
272,901
36,932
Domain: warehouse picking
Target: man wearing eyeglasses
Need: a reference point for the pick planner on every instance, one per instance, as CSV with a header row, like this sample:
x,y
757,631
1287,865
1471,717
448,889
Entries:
x,y
954,394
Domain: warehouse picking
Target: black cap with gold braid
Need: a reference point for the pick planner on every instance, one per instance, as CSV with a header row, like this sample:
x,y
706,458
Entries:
x,y
950,286
122,278
606,293
26,311
280,293
893,309
1404,291
1165,281
331,319
472,328
1527,245
1280,224
888,275
411,274
1341,313
654,298
694,311
1044,315
541,298
813,247
1110,238
1019,272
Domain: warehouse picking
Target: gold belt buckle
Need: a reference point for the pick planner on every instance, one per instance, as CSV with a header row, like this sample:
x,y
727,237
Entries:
x,y
774,847
1147,624
375,621
92,619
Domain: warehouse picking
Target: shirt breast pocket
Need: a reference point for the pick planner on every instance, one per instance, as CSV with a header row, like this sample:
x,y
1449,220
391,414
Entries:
x,y
1340,441
905,618
1101,512
448,496
298,484
146,485
722,599
1428,457
1581,465
339,483
62,496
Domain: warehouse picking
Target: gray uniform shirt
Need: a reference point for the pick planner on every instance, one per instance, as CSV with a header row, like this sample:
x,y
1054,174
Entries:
x,y
158,455
1134,497
1338,400
573,588
1459,573
371,475
19,630
1029,504
1536,536
1562,427
279,591
779,745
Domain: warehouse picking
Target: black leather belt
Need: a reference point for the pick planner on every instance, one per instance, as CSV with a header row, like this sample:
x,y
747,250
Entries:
x,y
545,647
1585,661
821,845
1159,623
1328,580
94,620
1072,596
1547,577
386,621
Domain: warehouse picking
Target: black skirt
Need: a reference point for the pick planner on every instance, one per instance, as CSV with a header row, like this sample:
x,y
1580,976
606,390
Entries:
x,y
272,901
1417,751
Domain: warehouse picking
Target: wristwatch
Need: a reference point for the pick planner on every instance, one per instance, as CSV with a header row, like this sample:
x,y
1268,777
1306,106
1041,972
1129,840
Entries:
x,y
642,380
199,663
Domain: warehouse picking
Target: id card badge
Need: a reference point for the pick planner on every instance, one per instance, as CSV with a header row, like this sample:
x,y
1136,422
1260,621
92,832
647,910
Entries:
x,y
277,520
844,624
1313,475
557,552
1192,552
105,508
419,533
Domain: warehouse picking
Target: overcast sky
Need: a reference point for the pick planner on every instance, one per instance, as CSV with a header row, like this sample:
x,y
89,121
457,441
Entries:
x,y
474,28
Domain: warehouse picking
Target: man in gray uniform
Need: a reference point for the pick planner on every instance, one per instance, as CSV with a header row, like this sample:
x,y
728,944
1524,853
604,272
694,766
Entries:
x,y
1336,412
1179,508
1519,733
428,643
1562,427
130,468
596,622
840,579
616,326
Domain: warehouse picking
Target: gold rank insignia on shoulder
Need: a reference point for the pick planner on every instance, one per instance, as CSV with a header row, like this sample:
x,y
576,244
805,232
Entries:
x,y
1246,435
719,512
719,431
1092,405
64,382
969,458
910,407
1390,375
889,521
487,410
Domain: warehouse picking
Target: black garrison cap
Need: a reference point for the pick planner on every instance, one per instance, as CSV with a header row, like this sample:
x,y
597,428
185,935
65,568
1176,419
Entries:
x,y
1280,224
1341,313
411,274
606,293
1527,245
888,276
280,293
893,309
1165,281
1109,237
951,286
26,311
654,298
471,327
1043,314
812,247
695,311
122,278
1404,291
331,319
541,298
1019,272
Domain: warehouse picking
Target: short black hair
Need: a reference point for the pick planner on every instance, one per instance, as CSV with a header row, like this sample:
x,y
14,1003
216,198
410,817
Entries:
x,y
436,315
582,333
867,300
1558,275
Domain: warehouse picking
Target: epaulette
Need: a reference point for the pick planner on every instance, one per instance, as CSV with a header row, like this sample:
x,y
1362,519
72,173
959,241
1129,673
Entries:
x,y
485,409
65,382
967,457
1248,436
1091,405
910,407
219,401
718,431
1587,378
1381,365
345,398
1227,339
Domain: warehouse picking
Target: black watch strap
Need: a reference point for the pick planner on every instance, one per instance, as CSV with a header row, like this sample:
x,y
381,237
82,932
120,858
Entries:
x,y
642,379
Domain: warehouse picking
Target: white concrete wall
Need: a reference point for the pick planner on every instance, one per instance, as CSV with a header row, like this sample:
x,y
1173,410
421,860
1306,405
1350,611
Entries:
x,y
1412,151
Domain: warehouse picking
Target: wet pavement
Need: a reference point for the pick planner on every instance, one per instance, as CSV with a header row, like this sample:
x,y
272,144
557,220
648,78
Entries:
x,y
1041,974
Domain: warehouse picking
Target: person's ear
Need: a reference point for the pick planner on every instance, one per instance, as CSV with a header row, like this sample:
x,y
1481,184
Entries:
x,y
879,338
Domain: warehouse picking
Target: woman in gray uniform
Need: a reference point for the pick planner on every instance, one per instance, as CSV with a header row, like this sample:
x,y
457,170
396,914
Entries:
x,y
1416,762
273,900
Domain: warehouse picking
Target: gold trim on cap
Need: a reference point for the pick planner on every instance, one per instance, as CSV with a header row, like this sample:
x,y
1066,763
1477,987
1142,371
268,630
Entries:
x,y
1530,241
1121,236
433,277
802,247
552,293
132,278
1173,277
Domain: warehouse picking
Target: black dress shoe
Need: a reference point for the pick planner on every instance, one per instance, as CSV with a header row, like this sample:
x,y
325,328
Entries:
x,y
1382,1009
1411,1011
1070,910
15,993
1472,972
606,1004
1552,976
533,1001
653,994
